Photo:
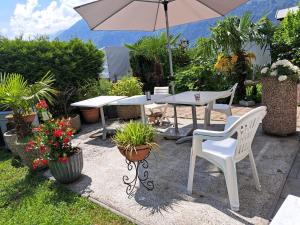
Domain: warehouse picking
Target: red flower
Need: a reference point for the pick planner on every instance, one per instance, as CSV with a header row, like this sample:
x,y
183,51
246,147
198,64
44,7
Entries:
x,y
70,133
27,148
56,144
36,129
43,148
63,159
66,140
58,133
42,104
44,162
31,143
61,124
46,132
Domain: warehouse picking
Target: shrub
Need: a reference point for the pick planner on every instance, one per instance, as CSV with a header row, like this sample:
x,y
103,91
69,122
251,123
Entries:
x,y
286,40
127,86
70,62
93,88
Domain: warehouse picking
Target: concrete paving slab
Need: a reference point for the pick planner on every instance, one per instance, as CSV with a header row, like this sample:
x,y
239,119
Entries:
x,y
169,202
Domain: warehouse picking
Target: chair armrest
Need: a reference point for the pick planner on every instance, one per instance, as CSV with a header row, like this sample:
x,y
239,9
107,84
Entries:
x,y
230,120
210,135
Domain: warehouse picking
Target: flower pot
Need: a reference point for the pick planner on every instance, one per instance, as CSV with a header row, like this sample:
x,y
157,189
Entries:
x,y
74,122
90,115
281,101
10,138
140,154
28,157
127,112
67,172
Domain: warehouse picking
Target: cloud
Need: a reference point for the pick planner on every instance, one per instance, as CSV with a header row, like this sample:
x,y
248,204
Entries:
x,y
32,19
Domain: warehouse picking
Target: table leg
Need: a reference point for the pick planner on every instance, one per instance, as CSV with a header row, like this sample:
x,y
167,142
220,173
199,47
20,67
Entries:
x,y
194,115
103,123
207,114
143,114
175,120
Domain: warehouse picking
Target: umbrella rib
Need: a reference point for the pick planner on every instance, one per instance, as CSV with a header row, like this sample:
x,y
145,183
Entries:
x,y
89,3
221,14
112,15
155,21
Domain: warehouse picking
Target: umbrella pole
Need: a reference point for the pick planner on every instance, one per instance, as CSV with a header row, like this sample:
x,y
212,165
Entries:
x,y
165,3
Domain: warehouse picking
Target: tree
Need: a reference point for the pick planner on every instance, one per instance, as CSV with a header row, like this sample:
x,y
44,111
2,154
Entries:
x,y
230,37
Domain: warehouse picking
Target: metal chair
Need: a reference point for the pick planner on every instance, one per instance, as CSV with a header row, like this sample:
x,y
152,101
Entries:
x,y
224,151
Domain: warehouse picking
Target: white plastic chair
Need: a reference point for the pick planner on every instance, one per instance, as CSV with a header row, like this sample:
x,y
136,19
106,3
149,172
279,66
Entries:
x,y
223,108
161,107
224,151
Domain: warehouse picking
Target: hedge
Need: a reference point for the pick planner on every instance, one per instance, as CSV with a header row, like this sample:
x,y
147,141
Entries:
x,y
71,62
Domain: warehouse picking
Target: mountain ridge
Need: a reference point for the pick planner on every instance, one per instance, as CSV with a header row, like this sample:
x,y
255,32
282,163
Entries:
x,y
190,31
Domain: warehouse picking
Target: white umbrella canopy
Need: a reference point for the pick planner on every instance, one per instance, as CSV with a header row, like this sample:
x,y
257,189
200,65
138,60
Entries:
x,y
149,15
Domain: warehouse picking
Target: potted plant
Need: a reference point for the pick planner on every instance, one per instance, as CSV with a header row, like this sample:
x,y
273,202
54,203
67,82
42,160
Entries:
x,y
135,140
93,88
19,96
127,86
52,140
279,94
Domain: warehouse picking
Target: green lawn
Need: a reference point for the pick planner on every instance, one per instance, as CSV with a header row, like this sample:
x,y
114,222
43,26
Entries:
x,y
26,198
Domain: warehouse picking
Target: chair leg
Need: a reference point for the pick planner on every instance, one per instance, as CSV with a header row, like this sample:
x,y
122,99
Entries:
x,y
254,171
191,172
228,112
232,186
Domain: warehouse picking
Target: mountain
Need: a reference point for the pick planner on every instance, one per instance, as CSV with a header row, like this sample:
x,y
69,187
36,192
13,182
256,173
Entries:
x,y
190,31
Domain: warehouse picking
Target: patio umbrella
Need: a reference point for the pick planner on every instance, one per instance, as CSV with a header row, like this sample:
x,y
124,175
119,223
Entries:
x,y
151,15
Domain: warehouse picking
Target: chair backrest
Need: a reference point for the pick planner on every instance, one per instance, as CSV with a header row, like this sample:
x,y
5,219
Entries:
x,y
161,90
232,92
245,128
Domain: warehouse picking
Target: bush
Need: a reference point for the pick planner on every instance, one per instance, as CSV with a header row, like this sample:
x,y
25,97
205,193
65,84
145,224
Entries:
x,y
93,88
286,40
127,86
70,62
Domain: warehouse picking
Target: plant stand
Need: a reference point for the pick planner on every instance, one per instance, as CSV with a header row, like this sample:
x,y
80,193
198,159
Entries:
x,y
141,174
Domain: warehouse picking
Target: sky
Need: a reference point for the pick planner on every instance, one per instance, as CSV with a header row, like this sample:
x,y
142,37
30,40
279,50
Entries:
x,y
32,17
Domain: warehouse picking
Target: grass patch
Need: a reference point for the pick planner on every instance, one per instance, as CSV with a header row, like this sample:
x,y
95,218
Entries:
x,y
27,198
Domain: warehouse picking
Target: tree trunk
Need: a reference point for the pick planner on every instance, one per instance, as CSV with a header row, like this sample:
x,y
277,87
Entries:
x,y
158,73
240,72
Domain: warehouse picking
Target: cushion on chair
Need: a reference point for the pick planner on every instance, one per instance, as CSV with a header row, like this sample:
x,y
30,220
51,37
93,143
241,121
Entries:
x,y
224,149
221,106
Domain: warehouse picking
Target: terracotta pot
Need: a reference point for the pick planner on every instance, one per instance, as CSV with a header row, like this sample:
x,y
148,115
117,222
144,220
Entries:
x,y
140,154
69,171
10,138
281,101
90,115
27,118
74,122
129,112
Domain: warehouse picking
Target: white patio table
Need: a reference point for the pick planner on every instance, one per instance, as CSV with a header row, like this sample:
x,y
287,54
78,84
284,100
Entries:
x,y
140,100
98,102
188,98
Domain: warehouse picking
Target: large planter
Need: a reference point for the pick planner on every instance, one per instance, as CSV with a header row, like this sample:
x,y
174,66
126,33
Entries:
x,y
67,172
10,139
74,122
90,115
281,101
139,154
28,157
128,112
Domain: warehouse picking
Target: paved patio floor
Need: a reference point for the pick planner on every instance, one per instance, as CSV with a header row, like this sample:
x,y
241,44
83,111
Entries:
x,y
169,202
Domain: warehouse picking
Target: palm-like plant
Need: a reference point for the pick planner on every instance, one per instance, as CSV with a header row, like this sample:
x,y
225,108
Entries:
x,y
19,96
153,48
231,35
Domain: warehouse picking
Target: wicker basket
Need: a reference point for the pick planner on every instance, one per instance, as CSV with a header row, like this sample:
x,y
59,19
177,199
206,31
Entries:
x,y
281,101
127,112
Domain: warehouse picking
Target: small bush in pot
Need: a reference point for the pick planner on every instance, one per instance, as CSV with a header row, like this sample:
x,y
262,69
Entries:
x,y
127,86
279,94
64,160
135,140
